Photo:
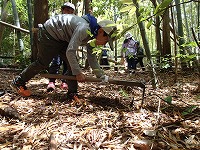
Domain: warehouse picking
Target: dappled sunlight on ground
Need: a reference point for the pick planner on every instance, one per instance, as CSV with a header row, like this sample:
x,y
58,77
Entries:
x,y
102,117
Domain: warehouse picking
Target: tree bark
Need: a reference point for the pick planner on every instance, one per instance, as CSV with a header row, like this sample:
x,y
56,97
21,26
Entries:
x,y
158,35
4,15
40,16
146,46
166,53
180,33
17,23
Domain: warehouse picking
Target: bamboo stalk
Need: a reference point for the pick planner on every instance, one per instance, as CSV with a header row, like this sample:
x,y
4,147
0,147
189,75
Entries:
x,y
14,27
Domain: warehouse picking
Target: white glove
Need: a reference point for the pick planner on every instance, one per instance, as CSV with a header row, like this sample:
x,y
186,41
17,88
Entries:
x,y
104,78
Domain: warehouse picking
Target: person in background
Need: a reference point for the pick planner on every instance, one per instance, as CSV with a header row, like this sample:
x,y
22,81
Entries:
x,y
140,55
62,35
104,58
67,8
129,52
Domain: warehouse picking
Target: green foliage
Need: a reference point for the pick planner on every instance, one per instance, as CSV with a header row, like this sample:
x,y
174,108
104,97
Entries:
x,y
149,23
189,110
160,8
9,46
187,57
190,44
168,99
127,1
22,61
106,9
123,92
97,50
92,42
165,62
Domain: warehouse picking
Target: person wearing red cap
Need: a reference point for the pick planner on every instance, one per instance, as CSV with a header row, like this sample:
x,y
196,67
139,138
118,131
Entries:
x,y
62,35
66,8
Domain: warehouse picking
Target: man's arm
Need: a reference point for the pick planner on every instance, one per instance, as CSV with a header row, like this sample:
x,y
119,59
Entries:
x,y
92,60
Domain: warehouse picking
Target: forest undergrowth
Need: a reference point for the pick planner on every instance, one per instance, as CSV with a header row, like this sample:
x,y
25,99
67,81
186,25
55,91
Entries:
x,y
102,117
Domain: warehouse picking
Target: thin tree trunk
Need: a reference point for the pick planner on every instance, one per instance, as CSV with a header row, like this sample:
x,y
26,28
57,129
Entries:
x,y
158,35
4,15
198,15
166,53
180,33
175,47
146,46
17,23
29,6
87,10
186,22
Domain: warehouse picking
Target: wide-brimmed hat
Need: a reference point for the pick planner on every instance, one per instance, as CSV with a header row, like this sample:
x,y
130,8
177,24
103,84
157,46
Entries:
x,y
109,27
128,35
68,4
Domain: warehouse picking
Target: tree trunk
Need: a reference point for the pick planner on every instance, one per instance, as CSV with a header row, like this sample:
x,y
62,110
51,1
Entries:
x,y
166,53
29,6
175,47
146,46
87,10
4,15
180,33
40,16
17,23
158,35
198,20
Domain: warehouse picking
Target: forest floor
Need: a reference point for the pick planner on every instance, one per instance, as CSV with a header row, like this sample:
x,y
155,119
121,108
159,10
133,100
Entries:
x,y
102,117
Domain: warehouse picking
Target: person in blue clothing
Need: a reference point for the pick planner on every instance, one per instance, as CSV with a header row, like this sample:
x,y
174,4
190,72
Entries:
x,y
67,8
104,58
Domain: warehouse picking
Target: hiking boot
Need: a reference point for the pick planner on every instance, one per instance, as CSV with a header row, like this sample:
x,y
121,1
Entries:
x,y
19,87
51,87
64,86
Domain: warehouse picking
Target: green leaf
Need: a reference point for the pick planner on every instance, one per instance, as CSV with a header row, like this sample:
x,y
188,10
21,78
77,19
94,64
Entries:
x,y
126,8
160,8
127,1
149,24
89,32
92,42
141,10
123,93
168,99
140,18
189,110
132,11
192,44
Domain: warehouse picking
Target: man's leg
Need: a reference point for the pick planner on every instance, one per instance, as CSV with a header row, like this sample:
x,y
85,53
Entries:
x,y
47,50
140,60
72,84
129,63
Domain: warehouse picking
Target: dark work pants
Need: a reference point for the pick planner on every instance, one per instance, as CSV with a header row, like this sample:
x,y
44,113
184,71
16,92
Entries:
x,y
140,61
131,63
55,67
48,48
